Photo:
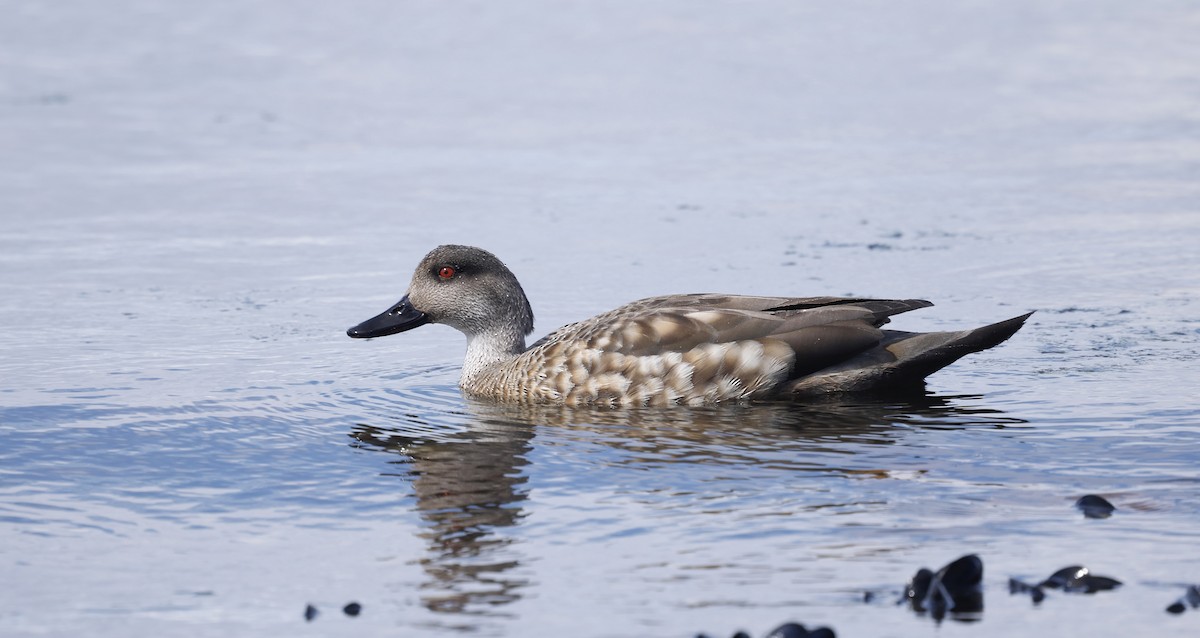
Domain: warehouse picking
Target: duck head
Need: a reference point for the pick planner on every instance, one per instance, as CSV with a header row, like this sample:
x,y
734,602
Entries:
x,y
466,288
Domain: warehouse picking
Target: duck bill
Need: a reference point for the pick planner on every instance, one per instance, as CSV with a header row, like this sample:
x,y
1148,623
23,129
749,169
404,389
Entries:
x,y
403,316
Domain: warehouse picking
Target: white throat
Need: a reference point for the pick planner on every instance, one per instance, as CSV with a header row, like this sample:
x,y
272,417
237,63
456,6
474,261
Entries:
x,y
487,349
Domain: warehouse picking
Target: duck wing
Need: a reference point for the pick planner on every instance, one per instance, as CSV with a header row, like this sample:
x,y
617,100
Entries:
x,y
747,346
820,330
817,331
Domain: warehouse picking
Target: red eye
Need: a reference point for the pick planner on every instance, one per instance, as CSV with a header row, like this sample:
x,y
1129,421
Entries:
x,y
447,272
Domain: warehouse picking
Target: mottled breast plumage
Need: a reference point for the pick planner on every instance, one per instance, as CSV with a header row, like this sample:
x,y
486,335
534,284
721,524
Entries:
x,y
655,357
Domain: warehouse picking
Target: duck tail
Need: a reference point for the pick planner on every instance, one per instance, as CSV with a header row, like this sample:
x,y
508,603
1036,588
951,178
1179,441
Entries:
x,y
902,360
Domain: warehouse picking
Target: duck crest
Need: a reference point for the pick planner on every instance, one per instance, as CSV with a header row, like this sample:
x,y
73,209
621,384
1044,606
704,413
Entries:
x,y
677,349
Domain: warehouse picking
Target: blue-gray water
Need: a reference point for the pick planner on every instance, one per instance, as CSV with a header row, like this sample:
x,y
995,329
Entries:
x,y
196,201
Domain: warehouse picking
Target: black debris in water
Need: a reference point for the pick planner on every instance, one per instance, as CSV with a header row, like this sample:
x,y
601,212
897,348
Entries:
x,y
1035,592
1075,579
955,587
1190,599
352,609
796,630
310,612
1094,506
789,630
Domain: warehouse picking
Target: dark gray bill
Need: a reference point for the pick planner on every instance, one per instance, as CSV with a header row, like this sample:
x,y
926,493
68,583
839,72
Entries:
x,y
398,318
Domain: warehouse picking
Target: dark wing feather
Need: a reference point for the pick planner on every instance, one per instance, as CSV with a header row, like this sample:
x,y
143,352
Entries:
x,y
903,359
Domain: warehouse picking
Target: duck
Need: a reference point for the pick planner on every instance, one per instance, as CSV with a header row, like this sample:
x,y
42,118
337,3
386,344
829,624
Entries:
x,y
682,349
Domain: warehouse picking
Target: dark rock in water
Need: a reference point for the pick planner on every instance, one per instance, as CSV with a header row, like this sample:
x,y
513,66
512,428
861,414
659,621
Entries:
x,y
310,612
1073,579
796,630
789,630
1017,587
1094,506
1065,578
352,609
1189,599
917,589
963,576
1093,584
955,587
1077,579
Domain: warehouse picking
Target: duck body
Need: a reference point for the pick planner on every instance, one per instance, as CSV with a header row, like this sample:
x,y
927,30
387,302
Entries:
x,y
692,349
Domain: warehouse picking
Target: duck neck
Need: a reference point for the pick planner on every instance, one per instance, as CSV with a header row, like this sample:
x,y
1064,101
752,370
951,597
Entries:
x,y
487,349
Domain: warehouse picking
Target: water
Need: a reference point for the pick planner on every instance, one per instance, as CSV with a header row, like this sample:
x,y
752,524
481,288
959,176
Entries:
x,y
198,201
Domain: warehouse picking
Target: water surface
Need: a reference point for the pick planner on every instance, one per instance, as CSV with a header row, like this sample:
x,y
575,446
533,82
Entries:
x,y
198,201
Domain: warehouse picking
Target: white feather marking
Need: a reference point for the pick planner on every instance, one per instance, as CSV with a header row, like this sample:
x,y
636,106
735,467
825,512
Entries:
x,y
650,367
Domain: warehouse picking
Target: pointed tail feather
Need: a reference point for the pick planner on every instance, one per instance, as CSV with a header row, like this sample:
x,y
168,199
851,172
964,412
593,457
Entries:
x,y
903,359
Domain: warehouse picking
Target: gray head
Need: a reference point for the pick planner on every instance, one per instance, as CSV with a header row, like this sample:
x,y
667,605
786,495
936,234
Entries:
x,y
469,289
464,287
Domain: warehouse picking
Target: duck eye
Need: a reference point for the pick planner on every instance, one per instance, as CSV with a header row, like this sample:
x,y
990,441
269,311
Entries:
x,y
446,272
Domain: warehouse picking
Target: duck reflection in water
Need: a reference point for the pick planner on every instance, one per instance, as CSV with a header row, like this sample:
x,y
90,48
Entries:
x,y
468,488
470,479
